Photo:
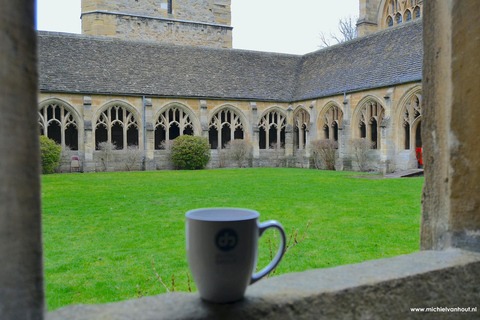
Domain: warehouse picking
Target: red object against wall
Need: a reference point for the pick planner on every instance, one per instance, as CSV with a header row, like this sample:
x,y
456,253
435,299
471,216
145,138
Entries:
x,y
419,156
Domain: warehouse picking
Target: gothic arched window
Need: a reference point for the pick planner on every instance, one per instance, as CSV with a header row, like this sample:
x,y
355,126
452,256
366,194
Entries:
x,y
417,12
170,124
301,120
272,130
408,15
390,22
57,123
116,125
333,118
371,115
411,122
398,18
224,126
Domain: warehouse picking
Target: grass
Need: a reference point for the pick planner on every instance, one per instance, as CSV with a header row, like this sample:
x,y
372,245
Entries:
x,y
101,231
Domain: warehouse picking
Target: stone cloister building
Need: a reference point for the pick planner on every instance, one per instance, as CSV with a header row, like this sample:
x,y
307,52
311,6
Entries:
x,y
117,83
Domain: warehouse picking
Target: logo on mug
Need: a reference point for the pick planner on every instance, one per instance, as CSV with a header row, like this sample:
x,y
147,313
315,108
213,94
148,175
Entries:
x,y
226,239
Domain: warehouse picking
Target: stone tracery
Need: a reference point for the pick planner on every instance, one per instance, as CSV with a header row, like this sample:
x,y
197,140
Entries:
x,y
58,123
224,126
332,120
172,123
116,125
301,121
411,123
371,115
272,130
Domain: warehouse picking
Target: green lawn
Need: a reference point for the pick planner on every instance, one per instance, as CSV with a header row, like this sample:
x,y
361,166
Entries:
x,y
101,230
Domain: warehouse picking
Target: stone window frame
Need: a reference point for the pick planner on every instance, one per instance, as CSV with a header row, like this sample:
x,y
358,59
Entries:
x,y
233,118
130,118
408,15
392,12
301,126
185,120
273,118
368,111
408,117
330,115
68,117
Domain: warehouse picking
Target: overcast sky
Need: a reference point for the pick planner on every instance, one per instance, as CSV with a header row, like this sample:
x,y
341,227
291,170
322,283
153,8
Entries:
x,y
286,26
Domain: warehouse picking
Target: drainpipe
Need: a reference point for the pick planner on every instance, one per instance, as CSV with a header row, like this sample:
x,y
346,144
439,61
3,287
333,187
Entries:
x,y
144,136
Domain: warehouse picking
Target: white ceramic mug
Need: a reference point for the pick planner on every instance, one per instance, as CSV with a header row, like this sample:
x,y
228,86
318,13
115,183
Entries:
x,y
222,248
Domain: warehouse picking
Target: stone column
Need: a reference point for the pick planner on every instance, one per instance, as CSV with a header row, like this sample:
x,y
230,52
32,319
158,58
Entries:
x,y
344,160
89,143
450,123
289,133
21,265
149,137
387,145
312,128
255,134
203,118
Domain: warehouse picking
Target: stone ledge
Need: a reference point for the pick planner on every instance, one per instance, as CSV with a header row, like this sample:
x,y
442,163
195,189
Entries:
x,y
377,289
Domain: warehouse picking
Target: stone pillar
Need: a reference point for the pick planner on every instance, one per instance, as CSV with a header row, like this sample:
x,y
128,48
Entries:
x,y
344,162
289,133
451,78
21,265
387,145
203,118
255,134
149,136
367,21
89,143
312,129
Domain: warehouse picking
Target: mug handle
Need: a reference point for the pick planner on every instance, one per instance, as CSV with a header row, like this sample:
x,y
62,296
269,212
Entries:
x,y
261,228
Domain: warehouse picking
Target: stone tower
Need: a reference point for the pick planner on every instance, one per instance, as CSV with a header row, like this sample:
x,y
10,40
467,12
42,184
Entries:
x,y
376,15
185,22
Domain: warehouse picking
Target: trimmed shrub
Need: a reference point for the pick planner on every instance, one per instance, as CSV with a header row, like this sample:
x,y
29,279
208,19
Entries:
x,y
49,154
190,152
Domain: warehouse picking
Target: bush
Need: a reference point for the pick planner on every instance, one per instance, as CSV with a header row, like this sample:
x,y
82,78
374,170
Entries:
x,y
132,156
240,150
49,154
359,148
190,153
323,151
106,149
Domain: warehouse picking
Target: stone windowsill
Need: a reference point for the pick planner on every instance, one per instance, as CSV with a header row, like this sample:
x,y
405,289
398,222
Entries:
x,y
376,289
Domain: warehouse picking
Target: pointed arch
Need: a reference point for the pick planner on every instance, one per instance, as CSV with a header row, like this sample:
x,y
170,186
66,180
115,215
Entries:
x,y
330,118
272,125
60,121
226,123
367,118
406,116
172,120
117,122
301,125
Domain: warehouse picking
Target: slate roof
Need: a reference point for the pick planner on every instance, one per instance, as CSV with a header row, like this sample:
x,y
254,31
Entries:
x,y
94,65
386,58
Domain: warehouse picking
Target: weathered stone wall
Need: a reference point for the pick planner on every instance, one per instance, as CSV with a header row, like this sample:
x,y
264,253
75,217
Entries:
x,y
21,262
391,156
207,11
377,289
451,209
374,13
198,23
